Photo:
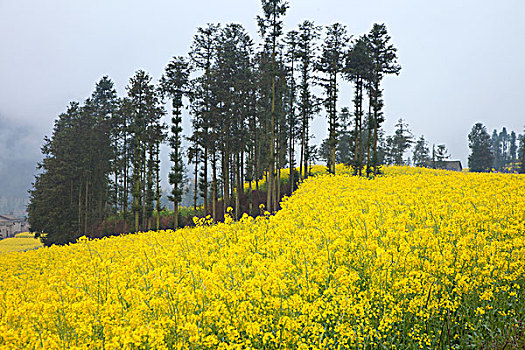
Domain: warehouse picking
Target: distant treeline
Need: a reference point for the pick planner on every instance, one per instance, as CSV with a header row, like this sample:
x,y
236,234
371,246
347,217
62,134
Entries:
x,y
501,152
401,148
250,104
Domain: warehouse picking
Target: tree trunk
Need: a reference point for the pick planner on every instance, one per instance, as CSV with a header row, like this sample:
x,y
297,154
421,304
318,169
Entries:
x,y
242,170
143,190
125,184
149,188
137,189
375,159
256,162
196,179
116,200
250,198
306,156
239,187
334,120
369,141
86,208
80,209
136,204
292,163
291,126
278,197
205,181
214,186
271,165
175,215
302,154
157,181
232,170
358,101
269,184
226,179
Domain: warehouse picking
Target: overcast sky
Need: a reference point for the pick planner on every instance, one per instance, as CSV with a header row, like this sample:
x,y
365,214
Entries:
x,y
462,61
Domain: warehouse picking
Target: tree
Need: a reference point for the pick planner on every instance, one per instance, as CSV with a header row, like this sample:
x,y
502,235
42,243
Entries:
x,y
358,69
384,61
292,55
343,152
96,121
388,150
513,147
504,148
496,150
194,155
331,63
481,157
55,205
282,133
122,162
439,155
504,139
174,85
145,113
308,105
231,77
271,28
324,152
401,142
421,153
70,196
202,55
251,110
521,154
230,99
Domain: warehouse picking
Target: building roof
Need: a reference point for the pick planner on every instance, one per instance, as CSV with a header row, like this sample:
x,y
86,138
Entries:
x,y
6,217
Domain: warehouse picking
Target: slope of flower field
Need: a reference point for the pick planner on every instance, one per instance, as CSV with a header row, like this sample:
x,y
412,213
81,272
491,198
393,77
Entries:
x,y
413,259
21,242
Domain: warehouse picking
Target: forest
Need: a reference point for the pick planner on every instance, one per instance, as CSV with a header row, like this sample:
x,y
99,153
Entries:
x,y
251,104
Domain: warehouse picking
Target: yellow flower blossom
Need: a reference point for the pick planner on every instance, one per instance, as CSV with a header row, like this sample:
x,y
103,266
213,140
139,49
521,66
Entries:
x,y
393,262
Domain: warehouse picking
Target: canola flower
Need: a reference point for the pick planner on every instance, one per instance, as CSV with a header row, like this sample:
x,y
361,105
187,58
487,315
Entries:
x,y
415,259
313,170
21,242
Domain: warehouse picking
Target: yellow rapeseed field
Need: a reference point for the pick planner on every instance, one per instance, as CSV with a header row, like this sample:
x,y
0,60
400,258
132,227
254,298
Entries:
x,y
414,259
21,242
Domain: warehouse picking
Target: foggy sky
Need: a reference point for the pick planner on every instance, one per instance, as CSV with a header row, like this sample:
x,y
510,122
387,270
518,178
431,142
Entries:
x,y
462,61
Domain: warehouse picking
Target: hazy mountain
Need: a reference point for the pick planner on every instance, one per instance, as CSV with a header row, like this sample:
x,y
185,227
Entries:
x,y
19,154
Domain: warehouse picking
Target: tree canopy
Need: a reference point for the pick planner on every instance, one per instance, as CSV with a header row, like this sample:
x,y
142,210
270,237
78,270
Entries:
x,y
251,106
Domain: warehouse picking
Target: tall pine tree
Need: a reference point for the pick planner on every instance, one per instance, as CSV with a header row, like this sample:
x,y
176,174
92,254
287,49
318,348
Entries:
x,y
384,61
331,63
481,157
174,85
271,28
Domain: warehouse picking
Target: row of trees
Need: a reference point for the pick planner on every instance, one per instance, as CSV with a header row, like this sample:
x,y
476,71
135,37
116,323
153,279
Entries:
x,y
71,194
251,107
499,152
392,149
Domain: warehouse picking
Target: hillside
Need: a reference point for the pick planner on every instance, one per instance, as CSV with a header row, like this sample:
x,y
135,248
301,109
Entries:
x,y
417,258
19,155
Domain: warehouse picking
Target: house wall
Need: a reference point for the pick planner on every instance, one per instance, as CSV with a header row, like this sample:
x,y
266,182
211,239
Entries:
x,y
10,228
4,230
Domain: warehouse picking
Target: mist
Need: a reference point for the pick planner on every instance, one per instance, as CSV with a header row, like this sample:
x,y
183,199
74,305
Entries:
x,y
19,155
